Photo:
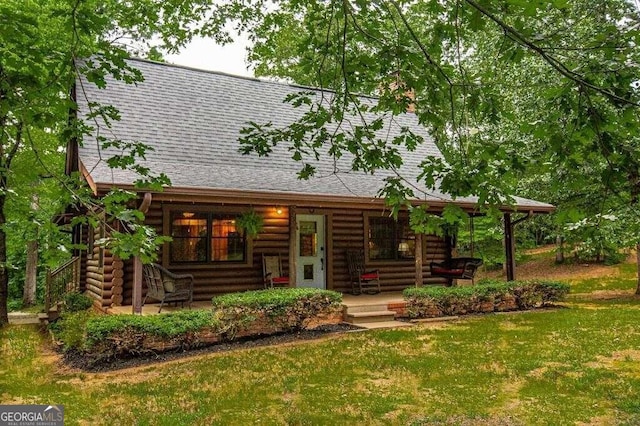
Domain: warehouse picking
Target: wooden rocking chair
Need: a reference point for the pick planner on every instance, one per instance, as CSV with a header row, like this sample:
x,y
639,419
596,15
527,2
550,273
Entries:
x,y
166,287
272,271
362,281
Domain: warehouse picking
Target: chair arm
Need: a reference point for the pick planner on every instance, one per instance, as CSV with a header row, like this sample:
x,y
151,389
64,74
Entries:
x,y
183,278
182,281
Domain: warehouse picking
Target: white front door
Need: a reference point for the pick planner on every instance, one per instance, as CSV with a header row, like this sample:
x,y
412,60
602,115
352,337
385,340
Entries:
x,y
310,262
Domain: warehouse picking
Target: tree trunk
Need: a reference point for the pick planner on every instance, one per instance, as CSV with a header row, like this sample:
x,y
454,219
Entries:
x,y
638,267
4,278
31,273
559,250
31,279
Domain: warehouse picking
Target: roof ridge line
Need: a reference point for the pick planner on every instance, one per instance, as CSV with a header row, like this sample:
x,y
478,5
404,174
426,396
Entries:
x,y
244,77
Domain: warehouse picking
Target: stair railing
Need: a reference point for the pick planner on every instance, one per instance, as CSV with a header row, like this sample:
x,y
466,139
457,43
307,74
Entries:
x,y
65,279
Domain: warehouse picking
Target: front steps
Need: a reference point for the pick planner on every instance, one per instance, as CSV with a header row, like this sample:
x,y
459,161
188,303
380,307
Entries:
x,y
372,316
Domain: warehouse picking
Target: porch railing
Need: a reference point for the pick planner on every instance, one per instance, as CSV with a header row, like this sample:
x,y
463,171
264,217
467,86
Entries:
x,y
63,280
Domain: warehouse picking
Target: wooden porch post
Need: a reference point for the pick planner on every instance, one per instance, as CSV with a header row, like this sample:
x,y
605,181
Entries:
x,y
292,246
418,256
136,303
509,248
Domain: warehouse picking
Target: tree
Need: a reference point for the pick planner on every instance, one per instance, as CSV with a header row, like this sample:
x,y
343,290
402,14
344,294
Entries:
x,y
508,90
449,59
44,45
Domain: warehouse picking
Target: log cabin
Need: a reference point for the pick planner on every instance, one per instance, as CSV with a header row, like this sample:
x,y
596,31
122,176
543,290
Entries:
x,y
192,120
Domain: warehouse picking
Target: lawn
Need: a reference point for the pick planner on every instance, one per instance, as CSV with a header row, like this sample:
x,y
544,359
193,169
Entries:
x,y
574,365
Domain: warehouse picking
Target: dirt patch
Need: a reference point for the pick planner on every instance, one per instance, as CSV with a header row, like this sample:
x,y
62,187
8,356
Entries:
x,y
600,420
546,268
511,389
511,326
77,360
473,421
628,355
608,295
539,372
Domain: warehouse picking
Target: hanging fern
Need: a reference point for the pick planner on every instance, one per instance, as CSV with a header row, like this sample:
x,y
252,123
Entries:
x,y
250,222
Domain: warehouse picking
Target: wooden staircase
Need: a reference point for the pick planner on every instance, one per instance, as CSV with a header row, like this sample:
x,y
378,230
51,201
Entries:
x,y
61,281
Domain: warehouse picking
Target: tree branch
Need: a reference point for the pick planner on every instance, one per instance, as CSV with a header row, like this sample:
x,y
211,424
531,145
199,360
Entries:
x,y
14,149
556,64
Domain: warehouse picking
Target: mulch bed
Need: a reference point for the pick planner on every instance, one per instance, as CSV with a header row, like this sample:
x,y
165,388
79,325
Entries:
x,y
79,360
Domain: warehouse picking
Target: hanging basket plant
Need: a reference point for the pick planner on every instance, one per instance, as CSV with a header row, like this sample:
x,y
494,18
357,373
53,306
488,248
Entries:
x,y
250,223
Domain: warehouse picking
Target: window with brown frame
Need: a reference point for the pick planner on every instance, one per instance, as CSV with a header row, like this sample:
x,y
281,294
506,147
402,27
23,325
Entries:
x,y
389,239
206,237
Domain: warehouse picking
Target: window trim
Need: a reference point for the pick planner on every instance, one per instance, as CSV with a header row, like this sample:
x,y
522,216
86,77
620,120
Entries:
x,y
211,210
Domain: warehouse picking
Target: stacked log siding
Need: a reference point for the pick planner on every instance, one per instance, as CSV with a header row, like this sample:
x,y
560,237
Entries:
x,y
346,226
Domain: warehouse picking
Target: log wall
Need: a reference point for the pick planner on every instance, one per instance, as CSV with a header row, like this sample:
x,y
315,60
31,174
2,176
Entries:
x,y
348,233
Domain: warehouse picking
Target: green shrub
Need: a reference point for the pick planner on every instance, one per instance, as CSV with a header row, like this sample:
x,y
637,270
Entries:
x,y
553,291
288,309
276,299
75,302
71,329
487,296
103,337
166,325
14,305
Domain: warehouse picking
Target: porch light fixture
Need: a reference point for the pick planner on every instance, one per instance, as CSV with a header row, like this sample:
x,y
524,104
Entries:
x,y
279,209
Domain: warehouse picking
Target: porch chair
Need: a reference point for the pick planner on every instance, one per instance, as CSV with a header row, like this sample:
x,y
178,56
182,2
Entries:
x,y
167,287
361,279
272,271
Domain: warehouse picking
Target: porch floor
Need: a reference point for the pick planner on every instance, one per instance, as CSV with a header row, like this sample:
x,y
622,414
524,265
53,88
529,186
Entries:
x,y
348,300
152,308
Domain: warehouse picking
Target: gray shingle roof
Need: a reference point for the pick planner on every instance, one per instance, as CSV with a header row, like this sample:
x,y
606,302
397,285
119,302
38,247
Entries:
x,y
192,119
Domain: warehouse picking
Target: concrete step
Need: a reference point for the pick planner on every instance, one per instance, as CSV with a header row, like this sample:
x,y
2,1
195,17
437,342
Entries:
x,y
366,308
23,318
358,318
384,324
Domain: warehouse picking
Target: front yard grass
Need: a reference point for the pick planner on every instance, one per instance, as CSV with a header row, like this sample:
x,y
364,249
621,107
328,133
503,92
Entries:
x,y
563,366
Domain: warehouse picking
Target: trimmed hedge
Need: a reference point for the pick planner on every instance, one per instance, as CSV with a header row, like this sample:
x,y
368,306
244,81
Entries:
x,y
277,310
487,296
104,337
169,325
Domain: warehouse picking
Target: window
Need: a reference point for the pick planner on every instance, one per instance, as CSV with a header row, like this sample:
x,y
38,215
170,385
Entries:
x,y
390,239
204,237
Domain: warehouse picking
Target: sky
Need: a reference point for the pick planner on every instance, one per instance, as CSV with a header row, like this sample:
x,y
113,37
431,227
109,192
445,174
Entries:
x,y
205,54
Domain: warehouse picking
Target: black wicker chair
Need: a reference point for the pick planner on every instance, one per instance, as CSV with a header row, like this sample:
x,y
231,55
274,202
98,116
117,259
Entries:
x,y
166,287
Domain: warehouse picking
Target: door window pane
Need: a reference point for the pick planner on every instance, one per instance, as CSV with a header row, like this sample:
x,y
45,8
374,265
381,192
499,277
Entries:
x,y
308,239
308,272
